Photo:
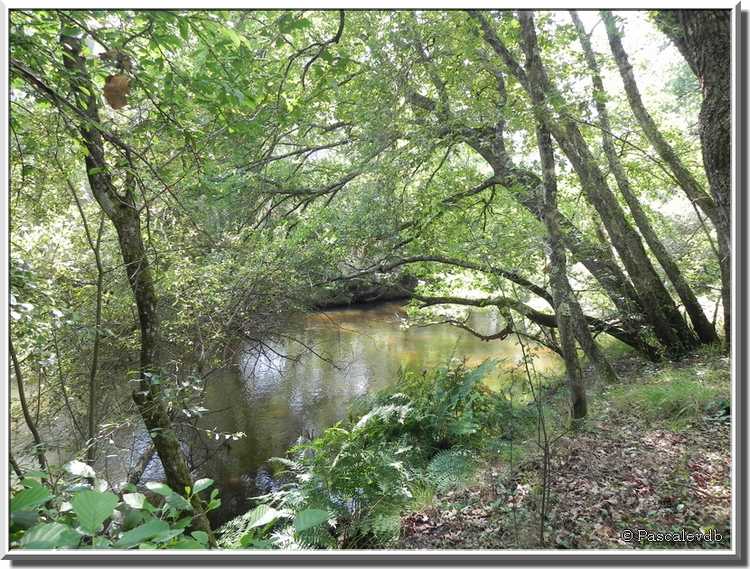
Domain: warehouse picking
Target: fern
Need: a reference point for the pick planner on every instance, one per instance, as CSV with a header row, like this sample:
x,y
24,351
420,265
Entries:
x,y
349,486
250,526
451,468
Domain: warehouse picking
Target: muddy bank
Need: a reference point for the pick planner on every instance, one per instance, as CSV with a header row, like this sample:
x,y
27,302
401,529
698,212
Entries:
x,y
367,291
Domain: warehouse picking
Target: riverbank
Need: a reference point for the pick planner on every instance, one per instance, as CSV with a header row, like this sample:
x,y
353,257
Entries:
x,y
440,461
654,455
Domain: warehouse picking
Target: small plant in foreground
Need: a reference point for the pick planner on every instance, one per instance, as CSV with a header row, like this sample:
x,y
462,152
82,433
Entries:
x,y
79,511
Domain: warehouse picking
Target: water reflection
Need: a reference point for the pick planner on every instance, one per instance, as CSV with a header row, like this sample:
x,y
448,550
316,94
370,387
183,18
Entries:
x,y
286,392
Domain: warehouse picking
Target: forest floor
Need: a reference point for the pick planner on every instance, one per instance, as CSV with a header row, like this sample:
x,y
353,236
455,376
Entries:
x,y
664,468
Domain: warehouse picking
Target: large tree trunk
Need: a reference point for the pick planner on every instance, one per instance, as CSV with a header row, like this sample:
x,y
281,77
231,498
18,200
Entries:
x,y
667,323
653,299
571,319
488,142
123,212
703,37
568,313
701,324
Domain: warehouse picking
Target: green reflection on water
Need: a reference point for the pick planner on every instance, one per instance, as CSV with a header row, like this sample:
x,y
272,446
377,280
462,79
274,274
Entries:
x,y
275,400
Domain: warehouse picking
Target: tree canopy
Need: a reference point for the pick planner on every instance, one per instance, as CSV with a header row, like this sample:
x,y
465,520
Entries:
x,y
184,179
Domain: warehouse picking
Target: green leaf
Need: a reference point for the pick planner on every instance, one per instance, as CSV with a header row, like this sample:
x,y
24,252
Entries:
x,y
262,515
101,542
29,498
186,543
184,28
200,537
78,468
249,541
183,523
140,534
202,484
179,502
36,474
311,518
134,518
135,500
50,536
233,36
168,535
23,520
93,508
159,488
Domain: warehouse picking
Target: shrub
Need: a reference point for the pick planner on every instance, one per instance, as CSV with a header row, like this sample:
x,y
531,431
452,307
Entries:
x,y
450,406
78,511
362,473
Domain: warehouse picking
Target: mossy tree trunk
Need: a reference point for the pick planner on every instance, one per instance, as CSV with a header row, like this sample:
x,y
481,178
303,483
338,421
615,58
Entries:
x,y
121,209
701,324
703,37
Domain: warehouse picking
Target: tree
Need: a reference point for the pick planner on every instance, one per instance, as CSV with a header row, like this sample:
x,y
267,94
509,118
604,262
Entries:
x,y
487,141
570,318
124,213
702,326
654,299
716,147
704,39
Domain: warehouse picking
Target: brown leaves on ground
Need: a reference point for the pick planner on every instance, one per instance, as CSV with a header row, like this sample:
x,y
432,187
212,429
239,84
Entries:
x,y
619,474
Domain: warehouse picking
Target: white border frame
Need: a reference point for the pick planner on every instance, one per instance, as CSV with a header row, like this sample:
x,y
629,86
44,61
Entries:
x,y
407,556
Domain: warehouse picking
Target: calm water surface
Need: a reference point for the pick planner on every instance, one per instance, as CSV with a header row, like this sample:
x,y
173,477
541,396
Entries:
x,y
292,393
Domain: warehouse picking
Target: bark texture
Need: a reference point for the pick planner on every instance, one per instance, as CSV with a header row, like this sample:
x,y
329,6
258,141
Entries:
x,y
570,317
701,324
564,300
703,37
667,323
124,214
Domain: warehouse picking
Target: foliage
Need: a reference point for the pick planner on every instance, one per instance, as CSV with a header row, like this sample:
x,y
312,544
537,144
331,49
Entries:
x,y
449,406
678,396
75,510
451,468
272,156
408,441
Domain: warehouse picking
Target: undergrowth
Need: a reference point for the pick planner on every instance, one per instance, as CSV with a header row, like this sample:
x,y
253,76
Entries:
x,y
434,435
677,396
397,449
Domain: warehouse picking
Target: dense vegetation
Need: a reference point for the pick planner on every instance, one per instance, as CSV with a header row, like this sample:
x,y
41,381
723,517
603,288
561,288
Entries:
x,y
186,186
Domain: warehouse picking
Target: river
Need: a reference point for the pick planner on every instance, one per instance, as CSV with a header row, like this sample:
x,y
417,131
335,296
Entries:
x,y
293,392
276,400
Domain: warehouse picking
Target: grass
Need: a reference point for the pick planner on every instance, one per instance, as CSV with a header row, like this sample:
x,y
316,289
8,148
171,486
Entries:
x,y
641,476
613,348
676,396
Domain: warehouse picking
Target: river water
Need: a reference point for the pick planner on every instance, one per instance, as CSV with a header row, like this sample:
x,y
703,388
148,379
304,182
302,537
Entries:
x,y
276,400
297,390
